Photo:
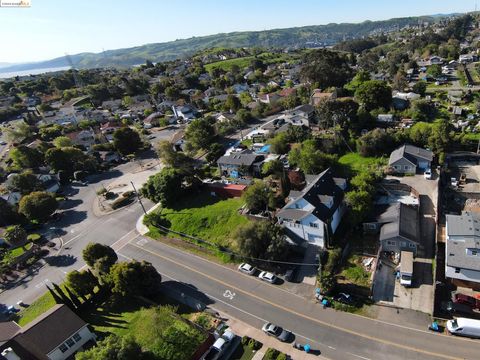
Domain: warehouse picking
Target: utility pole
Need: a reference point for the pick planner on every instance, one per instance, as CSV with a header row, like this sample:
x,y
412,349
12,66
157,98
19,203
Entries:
x,y
138,197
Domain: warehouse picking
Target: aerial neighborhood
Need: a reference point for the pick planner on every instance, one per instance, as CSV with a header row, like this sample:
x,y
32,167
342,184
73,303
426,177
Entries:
x,y
248,202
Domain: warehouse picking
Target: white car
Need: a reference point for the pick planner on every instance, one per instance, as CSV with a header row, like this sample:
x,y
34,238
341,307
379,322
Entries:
x,y
454,182
428,174
247,269
268,277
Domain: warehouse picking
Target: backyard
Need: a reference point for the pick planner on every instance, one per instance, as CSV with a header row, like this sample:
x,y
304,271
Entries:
x,y
353,163
204,216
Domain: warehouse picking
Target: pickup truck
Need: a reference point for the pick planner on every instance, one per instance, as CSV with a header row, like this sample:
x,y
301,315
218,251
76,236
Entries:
x,y
219,346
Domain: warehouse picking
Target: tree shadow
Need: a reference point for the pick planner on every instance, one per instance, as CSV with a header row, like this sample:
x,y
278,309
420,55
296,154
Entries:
x,y
61,260
96,178
200,200
70,204
186,294
71,217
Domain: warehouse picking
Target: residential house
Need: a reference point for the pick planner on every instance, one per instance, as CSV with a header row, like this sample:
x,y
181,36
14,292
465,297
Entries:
x,y
85,138
237,164
12,197
107,129
318,96
152,120
109,157
436,60
112,105
225,117
271,98
386,118
240,88
314,213
398,226
55,335
186,112
49,182
462,250
407,159
466,58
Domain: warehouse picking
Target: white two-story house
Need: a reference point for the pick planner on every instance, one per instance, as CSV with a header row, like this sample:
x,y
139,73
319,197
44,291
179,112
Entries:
x,y
314,213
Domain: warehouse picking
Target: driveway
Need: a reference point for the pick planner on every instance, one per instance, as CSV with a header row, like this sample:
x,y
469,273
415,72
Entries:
x,y
420,296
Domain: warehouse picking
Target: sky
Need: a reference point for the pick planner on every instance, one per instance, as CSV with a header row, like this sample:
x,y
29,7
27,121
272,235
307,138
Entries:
x,y
51,28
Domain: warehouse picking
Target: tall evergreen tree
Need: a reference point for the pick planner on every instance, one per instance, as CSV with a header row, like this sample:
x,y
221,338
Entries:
x,y
55,296
64,297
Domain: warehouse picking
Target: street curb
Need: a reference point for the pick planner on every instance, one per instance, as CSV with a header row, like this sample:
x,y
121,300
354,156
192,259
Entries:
x,y
139,226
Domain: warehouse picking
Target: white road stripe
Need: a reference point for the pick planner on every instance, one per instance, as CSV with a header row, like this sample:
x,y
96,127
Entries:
x,y
358,356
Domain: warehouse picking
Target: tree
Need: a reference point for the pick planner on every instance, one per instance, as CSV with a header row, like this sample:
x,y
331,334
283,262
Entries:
x,y
422,110
25,157
374,94
15,236
399,81
163,187
82,282
232,103
257,196
359,78
434,71
24,183
360,203
93,252
126,140
279,143
172,158
134,278
261,240
214,152
62,141
69,159
7,214
420,87
113,347
375,143
326,68
200,134
37,206
19,132
309,158
342,113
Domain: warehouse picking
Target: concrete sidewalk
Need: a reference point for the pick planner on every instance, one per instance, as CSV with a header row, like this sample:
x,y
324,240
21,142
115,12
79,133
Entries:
x,y
241,329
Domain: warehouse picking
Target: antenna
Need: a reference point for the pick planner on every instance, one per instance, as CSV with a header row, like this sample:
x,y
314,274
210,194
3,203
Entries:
x,y
76,79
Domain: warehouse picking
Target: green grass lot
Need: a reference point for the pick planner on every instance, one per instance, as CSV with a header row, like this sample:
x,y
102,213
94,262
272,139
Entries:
x,y
157,329
472,136
205,216
226,65
20,250
35,309
354,272
354,163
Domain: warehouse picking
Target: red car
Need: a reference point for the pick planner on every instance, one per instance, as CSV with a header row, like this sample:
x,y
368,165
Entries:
x,y
467,300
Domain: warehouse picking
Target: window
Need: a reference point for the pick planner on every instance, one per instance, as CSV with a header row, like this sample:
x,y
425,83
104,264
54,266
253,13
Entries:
x,y
70,342
77,337
313,225
370,226
63,348
392,243
411,245
406,167
457,270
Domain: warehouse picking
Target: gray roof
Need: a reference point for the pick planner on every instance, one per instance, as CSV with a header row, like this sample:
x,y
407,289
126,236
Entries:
x,y
246,158
467,228
49,330
411,153
8,329
293,214
400,220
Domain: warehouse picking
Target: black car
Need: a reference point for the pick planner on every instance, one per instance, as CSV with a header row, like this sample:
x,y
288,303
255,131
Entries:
x,y
454,308
345,298
291,274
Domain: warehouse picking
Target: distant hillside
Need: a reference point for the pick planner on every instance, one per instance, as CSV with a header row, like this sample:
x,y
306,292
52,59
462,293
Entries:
x,y
307,36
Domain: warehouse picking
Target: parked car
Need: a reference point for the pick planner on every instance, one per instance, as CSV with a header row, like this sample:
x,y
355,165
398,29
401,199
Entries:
x,y
277,332
344,298
455,308
219,346
247,269
291,274
427,174
268,277
454,182
458,298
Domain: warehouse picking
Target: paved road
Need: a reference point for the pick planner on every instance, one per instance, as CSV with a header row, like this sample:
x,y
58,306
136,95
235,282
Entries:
x,y
339,335
78,227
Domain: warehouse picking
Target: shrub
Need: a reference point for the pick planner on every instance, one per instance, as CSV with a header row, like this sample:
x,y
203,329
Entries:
x,y
254,344
271,354
34,238
101,191
282,356
121,201
245,340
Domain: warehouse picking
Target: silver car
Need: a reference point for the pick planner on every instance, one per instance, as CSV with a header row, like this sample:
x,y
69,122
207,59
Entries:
x,y
247,269
268,277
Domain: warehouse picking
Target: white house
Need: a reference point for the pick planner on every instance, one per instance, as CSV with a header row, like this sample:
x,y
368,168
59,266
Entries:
x,y
55,335
314,213
84,138
462,250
